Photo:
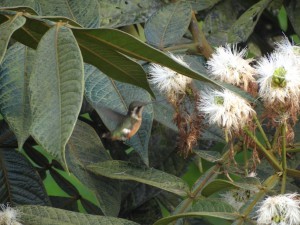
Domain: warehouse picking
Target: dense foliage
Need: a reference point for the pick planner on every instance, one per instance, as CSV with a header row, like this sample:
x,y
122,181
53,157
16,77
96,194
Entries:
x,y
68,67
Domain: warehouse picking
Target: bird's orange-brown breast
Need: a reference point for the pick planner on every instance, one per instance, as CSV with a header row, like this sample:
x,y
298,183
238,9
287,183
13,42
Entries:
x,y
135,128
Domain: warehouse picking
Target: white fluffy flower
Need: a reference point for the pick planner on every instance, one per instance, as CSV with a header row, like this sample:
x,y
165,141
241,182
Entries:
x,y
228,64
225,109
9,216
280,210
279,79
167,80
285,47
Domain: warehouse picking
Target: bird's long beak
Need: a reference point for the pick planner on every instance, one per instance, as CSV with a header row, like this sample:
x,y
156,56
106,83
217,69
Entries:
x,y
155,101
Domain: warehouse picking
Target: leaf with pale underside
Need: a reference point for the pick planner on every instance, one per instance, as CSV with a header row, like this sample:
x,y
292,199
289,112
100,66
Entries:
x,y
7,29
85,12
127,171
41,215
168,24
83,148
56,88
14,101
30,6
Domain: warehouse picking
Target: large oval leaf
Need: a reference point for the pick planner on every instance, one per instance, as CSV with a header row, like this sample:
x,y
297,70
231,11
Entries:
x,y
19,182
85,12
109,60
42,215
168,24
127,171
14,101
93,41
56,86
83,148
7,29
101,91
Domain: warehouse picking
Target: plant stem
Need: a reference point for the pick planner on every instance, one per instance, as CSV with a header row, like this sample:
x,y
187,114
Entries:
x,y
275,138
262,132
269,156
199,185
290,150
186,203
203,46
283,157
182,46
245,158
293,173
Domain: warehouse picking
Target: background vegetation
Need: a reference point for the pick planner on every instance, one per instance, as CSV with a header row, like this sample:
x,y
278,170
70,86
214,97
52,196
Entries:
x,y
63,61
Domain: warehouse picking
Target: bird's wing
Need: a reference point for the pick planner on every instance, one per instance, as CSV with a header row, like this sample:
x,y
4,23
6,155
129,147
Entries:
x,y
110,118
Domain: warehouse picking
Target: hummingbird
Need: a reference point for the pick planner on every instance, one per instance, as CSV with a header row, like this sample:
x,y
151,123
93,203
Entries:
x,y
127,125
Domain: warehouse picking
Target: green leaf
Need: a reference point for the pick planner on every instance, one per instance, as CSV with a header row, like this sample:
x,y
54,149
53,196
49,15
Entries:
x,y
207,177
210,156
102,91
163,113
103,46
19,182
20,7
85,12
213,133
32,31
168,24
41,215
30,6
122,13
147,213
128,171
14,101
83,148
67,203
205,208
7,29
212,205
217,22
199,5
109,60
248,183
244,26
293,11
56,86
6,135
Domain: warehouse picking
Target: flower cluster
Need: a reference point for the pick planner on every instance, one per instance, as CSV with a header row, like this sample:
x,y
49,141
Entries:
x,y
275,78
180,92
280,210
